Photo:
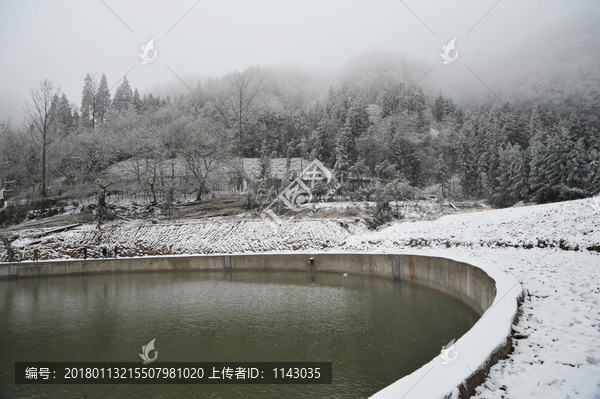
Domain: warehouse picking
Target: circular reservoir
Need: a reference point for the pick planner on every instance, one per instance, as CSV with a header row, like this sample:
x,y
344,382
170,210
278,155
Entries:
x,y
374,330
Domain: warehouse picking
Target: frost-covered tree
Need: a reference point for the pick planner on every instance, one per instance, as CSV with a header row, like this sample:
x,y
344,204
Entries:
x,y
41,114
442,174
102,100
123,99
89,102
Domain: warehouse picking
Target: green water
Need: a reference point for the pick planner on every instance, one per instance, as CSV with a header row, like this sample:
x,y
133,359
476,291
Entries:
x,y
373,330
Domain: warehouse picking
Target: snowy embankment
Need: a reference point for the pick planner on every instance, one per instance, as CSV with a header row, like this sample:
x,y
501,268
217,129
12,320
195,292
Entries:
x,y
205,237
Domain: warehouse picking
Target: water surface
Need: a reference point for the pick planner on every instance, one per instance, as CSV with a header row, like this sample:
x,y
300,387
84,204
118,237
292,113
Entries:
x,y
373,330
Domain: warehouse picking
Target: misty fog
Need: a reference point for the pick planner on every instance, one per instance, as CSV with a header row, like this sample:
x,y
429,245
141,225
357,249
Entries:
x,y
505,43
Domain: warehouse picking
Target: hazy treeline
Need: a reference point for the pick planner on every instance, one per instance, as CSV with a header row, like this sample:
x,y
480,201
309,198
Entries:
x,y
380,135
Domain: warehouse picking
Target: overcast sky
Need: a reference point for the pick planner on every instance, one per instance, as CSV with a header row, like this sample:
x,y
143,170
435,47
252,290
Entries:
x,y
62,40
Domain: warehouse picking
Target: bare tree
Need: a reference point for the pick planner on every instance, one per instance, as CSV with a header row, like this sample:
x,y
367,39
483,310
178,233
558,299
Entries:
x,y
147,171
147,160
244,87
94,153
205,148
40,117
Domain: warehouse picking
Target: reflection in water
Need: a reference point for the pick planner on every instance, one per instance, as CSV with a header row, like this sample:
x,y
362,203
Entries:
x,y
373,330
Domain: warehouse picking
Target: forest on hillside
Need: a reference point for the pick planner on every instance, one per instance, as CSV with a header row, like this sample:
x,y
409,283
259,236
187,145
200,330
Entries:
x,y
383,138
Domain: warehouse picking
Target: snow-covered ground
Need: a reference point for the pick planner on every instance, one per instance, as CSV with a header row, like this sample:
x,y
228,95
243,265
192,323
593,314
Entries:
x,y
557,341
553,250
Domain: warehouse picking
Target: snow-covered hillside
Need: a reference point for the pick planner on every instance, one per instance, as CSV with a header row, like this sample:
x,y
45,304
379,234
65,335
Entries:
x,y
571,225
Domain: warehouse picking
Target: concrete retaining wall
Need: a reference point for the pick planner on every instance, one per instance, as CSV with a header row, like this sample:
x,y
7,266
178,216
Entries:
x,y
465,282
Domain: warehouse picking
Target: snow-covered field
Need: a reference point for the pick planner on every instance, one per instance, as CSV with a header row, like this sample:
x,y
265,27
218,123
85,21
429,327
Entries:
x,y
553,250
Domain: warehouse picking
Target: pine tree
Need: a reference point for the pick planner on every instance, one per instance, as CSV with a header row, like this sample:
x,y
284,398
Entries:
x,y
408,159
512,181
594,175
342,164
514,130
548,169
576,165
89,101
466,167
330,106
438,109
123,98
517,186
137,103
399,146
390,102
535,122
359,120
102,100
64,115
422,124
441,174
500,196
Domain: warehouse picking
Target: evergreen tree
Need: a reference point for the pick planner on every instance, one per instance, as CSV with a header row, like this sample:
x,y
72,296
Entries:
x,y
441,175
535,122
137,103
64,115
466,167
89,101
594,175
501,197
576,165
408,160
102,100
438,109
517,184
123,98
342,162
390,102
359,170
420,104
330,106
549,169
514,130
360,121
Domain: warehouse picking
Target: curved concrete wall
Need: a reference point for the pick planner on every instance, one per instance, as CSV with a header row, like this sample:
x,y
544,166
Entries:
x,y
463,281
469,283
